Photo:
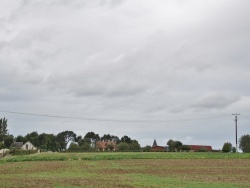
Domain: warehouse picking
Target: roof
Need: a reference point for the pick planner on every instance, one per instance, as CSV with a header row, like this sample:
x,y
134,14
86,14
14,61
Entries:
x,y
198,147
16,144
158,147
102,144
154,143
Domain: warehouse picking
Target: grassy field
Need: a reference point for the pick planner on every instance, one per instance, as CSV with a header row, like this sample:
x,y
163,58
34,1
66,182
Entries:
x,y
126,170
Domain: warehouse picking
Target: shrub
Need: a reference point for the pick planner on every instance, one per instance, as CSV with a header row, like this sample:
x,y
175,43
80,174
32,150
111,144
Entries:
x,y
22,152
227,147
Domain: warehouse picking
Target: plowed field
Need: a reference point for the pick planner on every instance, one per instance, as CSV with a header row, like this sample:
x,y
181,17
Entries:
x,y
127,173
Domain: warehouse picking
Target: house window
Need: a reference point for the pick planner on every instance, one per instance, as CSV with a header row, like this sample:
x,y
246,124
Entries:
x,y
27,146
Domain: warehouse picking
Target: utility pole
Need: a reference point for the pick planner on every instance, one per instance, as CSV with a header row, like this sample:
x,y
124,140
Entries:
x,y
236,119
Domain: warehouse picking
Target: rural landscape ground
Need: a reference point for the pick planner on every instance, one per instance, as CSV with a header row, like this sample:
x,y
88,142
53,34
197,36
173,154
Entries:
x,y
126,170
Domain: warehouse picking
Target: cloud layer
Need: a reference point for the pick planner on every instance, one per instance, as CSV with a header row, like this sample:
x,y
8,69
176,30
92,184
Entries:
x,y
127,60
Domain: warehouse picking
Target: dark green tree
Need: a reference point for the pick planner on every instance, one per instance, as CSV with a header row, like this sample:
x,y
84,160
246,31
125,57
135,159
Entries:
x,y
2,145
91,137
115,139
78,138
85,146
106,137
244,143
134,145
64,138
171,145
20,138
73,147
83,141
122,146
3,128
126,139
8,140
178,145
227,147
33,138
185,148
146,148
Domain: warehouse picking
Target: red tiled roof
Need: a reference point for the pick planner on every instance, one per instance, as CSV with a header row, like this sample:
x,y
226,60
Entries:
x,y
102,145
198,147
158,148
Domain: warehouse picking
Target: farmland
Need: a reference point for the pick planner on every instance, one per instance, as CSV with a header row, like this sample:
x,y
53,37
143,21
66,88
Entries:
x,y
126,170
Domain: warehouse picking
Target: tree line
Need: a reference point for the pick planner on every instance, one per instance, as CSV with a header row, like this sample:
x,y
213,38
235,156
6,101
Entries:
x,y
60,141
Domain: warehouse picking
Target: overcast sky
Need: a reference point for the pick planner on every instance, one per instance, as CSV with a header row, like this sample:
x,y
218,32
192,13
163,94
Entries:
x,y
183,62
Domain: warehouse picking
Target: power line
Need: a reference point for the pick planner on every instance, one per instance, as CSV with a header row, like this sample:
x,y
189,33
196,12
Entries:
x,y
110,120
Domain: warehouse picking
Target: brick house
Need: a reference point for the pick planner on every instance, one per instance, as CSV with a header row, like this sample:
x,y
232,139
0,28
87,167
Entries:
x,y
156,148
102,145
195,148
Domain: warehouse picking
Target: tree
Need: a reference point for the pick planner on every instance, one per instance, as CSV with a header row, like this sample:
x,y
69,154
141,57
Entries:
x,y
134,145
233,149
83,141
244,143
227,147
178,145
48,142
115,139
3,128
106,137
64,138
1,145
185,147
8,140
146,148
123,146
85,146
33,138
126,139
20,138
171,145
110,147
91,137
78,138
73,147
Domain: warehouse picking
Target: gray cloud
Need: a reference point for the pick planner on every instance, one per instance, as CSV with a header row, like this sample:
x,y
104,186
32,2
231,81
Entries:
x,y
219,101
128,59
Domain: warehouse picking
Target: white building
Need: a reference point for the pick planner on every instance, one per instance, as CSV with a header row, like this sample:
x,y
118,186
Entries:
x,y
28,146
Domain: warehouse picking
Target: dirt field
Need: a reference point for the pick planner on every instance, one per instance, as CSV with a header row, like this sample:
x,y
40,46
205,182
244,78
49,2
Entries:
x,y
128,173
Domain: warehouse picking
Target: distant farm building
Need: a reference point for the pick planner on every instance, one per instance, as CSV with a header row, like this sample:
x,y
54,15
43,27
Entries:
x,y
105,145
156,148
16,145
19,145
195,148
28,146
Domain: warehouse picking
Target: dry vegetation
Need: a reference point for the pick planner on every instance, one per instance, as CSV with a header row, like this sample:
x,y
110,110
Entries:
x,y
75,172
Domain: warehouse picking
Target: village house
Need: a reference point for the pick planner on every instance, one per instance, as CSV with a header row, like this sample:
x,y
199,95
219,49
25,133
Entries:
x,y
105,145
16,145
156,148
19,145
28,146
